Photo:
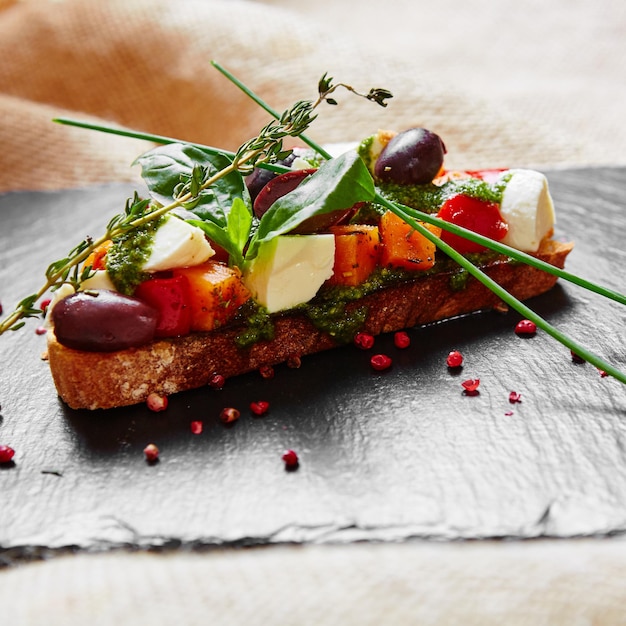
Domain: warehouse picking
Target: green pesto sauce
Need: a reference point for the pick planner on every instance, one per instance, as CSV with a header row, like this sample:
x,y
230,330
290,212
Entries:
x,y
128,254
333,317
430,197
364,150
329,310
259,325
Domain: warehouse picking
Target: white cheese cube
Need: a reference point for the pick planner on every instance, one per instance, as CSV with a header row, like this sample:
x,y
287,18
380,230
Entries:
x,y
289,270
528,209
177,244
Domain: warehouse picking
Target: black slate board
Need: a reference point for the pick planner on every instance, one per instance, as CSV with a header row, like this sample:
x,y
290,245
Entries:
x,y
384,456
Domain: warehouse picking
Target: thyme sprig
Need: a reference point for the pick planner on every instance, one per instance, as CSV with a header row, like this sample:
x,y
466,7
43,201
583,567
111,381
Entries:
x,y
326,87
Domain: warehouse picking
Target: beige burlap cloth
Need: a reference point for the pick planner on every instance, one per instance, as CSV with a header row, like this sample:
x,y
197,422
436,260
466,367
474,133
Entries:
x,y
144,64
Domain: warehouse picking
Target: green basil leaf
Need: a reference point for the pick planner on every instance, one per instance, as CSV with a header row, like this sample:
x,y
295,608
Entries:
x,y
338,184
239,224
220,236
234,236
164,168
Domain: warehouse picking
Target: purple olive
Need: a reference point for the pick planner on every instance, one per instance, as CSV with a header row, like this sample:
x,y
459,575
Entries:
x,y
412,157
260,177
282,185
278,187
103,321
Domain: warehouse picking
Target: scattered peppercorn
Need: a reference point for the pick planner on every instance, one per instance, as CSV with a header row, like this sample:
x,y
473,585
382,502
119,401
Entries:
x,y
515,397
151,452
603,374
260,407
196,427
156,402
294,362
217,381
41,330
525,328
380,362
266,371
576,358
454,359
290,458
365,341
228,415
402,340
6,454
470,386
44,304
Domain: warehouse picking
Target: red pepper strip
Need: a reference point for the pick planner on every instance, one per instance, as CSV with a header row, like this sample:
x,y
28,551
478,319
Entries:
x,y
170,296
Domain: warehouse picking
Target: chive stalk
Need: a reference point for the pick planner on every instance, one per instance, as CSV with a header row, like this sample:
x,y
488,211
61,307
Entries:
x,y
408,216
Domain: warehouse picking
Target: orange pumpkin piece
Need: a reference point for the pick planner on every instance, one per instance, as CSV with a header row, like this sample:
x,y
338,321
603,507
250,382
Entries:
x,y
216,292
357,250
404,247
97,259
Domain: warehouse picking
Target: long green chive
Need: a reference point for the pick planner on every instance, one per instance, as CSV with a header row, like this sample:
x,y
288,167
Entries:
x,y
160,139
406,214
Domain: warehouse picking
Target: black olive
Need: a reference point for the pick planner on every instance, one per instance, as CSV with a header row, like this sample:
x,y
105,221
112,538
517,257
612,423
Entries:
x,y
412,157
103,321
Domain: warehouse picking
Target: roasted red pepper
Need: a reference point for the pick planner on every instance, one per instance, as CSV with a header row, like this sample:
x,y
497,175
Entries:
x,y
170,296
479,216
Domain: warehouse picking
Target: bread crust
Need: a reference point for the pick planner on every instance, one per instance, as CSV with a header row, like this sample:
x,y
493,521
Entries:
x,y
96,380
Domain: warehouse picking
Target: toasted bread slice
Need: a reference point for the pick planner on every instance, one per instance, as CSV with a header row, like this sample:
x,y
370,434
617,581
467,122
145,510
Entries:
x,y
96,380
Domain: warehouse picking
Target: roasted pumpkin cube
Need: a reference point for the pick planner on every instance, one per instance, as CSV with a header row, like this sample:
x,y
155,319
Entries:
x,y
357,250
215,292
403,246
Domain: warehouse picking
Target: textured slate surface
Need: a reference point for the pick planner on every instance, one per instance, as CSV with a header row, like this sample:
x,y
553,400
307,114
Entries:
x,y
386,456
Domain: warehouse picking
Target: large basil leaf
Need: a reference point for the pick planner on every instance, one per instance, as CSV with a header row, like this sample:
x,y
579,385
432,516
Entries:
x,y
338,184
165,167
234,236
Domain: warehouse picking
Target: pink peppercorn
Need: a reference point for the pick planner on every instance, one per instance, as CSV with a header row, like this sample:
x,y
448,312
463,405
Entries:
x,y
401,340
471,386
454,359
380,362
196,427
217,381
156,402
515,397
228,415
294,362
290,458
260,407
365,341
6,454
151,452
44,304
266,371
525,328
